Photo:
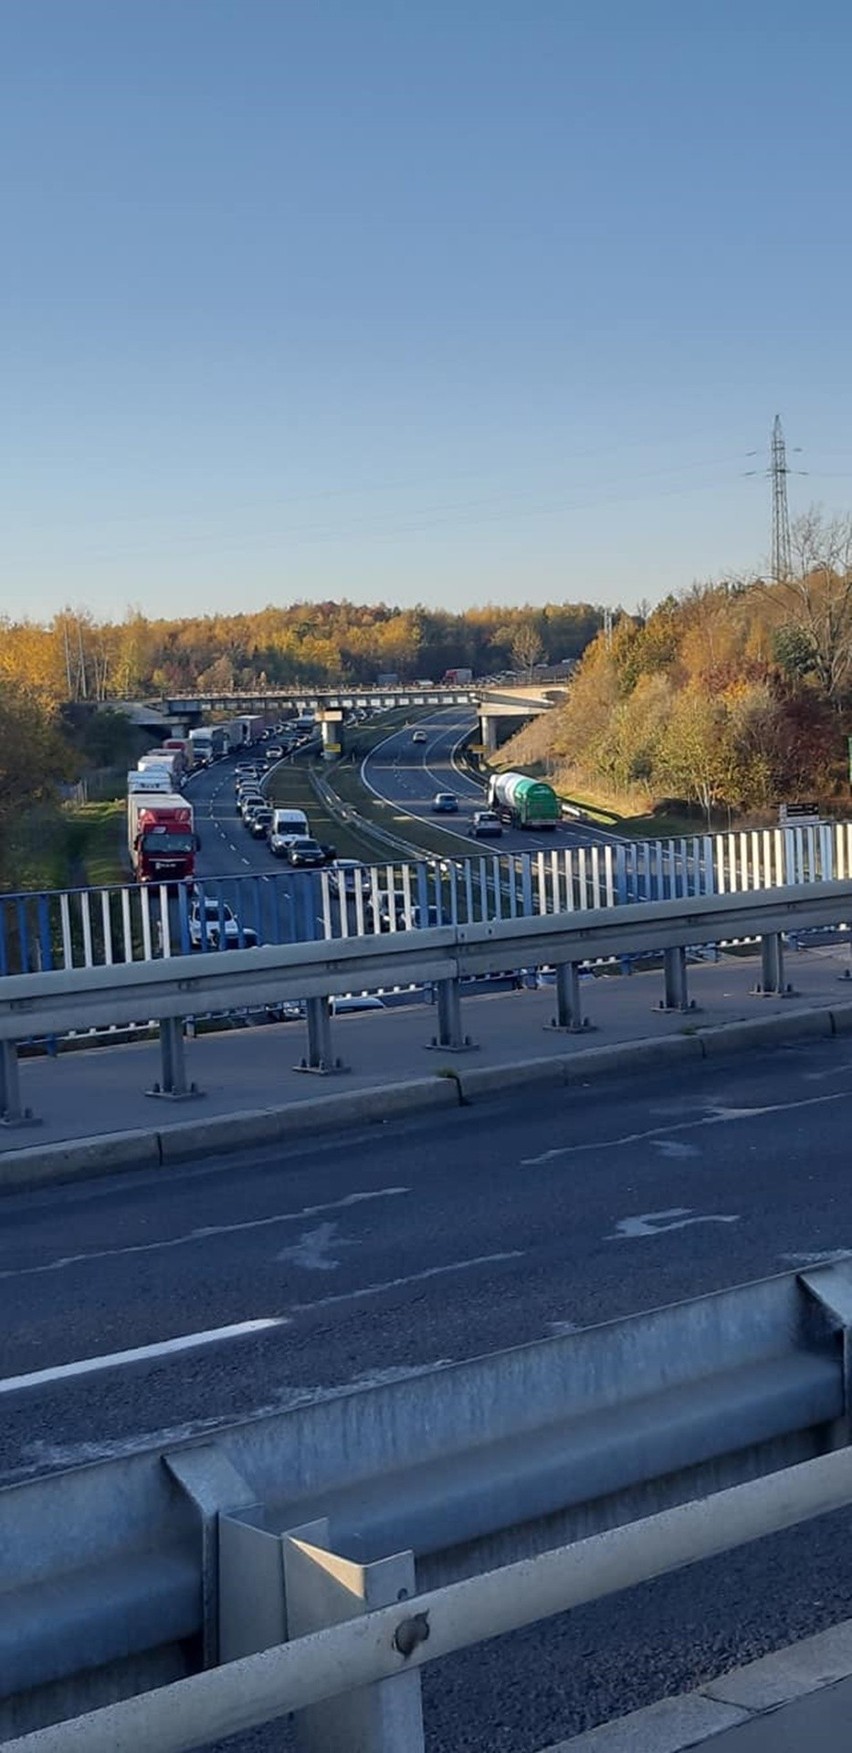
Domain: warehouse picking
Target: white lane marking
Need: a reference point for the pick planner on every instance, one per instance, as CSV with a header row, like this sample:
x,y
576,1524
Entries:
x,y
203,1235
822,1257
312,1249
653,1223
674,1148
245,860
559,1328
716,1117
88,1366
346,1296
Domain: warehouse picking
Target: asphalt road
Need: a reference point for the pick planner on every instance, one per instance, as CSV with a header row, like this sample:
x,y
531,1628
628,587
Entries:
x,y
408,775
414,1244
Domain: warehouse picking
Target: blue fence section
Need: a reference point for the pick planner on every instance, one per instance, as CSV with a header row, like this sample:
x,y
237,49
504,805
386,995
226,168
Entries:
x,y
91,927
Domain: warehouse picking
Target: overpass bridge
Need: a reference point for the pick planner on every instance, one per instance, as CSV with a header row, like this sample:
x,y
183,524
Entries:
x,y
493,705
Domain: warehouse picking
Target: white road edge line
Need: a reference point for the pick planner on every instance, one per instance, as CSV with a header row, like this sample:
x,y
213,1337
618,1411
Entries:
x,y
88,1366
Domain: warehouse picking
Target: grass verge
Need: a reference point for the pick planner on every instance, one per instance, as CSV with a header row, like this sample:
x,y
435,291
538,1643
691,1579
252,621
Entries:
x,y
76,845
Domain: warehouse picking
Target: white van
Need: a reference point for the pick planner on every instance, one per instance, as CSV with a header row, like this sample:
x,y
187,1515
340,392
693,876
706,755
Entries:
x,y
287,825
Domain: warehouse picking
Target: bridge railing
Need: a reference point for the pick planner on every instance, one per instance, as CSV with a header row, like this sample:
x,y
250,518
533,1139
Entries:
x,y
129,922
172,989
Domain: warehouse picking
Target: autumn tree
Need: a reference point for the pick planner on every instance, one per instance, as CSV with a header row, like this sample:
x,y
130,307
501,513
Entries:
x,y
815,602
527,648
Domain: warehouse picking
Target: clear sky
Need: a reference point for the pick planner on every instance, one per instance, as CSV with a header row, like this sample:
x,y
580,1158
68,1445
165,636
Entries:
x,y
449,301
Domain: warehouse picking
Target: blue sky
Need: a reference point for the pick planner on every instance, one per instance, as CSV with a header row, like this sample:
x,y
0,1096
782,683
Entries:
x,y
461,302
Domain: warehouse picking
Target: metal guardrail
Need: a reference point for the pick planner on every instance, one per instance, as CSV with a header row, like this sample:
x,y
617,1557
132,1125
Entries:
x,y
138,922
173,989
141,1569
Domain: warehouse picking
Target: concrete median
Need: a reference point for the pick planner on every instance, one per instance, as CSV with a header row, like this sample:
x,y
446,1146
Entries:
x,y
222,1133
791,1025
216,1135
79,1159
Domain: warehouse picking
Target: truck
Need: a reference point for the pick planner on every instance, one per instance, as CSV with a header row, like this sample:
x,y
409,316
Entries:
x,y
457,678
201,741
161,837
171,757
183,747
252,726
153,779
161,760
521,802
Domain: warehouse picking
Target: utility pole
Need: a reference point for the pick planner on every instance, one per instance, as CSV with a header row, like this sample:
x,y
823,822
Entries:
x,y
778,470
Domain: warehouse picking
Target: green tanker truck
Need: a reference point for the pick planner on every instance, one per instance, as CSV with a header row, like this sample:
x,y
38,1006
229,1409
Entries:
x,y
521,802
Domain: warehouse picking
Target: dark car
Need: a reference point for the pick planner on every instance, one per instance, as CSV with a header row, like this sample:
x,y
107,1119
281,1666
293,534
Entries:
x,y
306,852
259,822
445,803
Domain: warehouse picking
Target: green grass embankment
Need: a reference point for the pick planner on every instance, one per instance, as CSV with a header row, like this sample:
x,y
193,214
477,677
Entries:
x,y
68,846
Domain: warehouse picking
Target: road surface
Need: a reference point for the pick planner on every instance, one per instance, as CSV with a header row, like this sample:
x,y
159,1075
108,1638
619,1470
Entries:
x,y
407,775
415,1244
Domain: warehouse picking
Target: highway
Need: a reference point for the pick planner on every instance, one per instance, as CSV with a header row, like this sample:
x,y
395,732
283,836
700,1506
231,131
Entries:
x,y
408,775
415,1244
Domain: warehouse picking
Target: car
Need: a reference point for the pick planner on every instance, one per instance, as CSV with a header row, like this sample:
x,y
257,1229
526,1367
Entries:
x,y
395,911
419,736
206,921
260,822
275,752
305,852
292,1010
347,876
250,800
485,825
256,807
353,1001
244,767
445,803
280,842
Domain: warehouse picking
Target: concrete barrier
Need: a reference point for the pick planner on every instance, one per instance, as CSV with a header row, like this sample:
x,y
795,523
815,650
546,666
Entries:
x,y
217,1134
792,1025
192,1138
79,1159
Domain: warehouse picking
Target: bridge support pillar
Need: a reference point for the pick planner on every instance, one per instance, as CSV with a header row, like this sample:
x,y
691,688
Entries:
x,y
173,1085
488,734
569,1008
320,1056
11,1111
675,996
450,1037
771,983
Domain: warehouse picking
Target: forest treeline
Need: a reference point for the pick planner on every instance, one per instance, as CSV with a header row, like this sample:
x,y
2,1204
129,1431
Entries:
x,y
75,657
732,696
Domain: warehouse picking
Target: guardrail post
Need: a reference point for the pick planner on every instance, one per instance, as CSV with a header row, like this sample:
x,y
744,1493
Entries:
x,y
771,983
569,1017
173,1086
450,1037
323,1589
320,1057
11,1111
675,995
219,1494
